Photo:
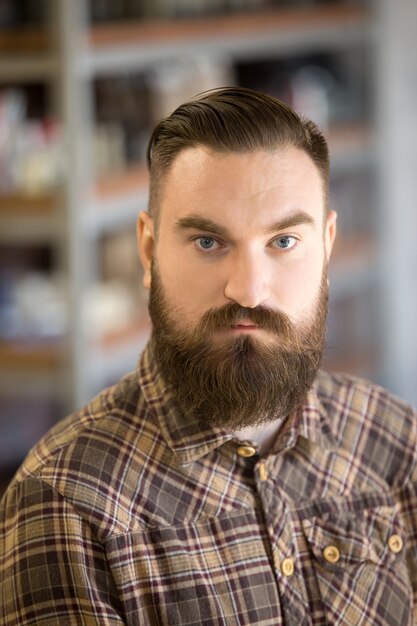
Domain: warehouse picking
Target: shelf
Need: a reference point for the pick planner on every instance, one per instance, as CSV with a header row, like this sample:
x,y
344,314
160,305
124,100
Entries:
x,y
28,204
351,146
31,228
361,248
25,55
30,218
40,364
24,40
23,355
285,31
353,265
116,200
284,20
113,340
127,181
113,355
27,68
24,381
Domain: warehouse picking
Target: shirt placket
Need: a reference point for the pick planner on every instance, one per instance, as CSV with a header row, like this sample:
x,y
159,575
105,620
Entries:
x,y
281,533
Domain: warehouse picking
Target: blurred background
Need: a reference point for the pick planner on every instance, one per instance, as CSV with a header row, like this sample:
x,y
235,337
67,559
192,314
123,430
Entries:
x,y
81,84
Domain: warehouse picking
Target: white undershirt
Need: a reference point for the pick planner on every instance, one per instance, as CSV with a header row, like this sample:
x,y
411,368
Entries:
x,y
263,436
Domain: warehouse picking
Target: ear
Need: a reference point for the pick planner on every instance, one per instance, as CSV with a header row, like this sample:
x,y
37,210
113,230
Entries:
x,y
330,233
146,243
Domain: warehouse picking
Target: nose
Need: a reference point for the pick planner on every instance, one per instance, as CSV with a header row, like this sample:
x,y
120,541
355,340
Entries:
x,y
247,282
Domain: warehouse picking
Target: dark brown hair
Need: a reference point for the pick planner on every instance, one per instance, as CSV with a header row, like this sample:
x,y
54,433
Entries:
x,y
231,119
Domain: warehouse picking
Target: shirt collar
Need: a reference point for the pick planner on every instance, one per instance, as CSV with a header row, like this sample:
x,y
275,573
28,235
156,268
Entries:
x,y
190,440
311,421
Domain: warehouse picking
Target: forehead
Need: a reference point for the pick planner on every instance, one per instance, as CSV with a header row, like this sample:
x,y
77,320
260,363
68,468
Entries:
x,y
254,186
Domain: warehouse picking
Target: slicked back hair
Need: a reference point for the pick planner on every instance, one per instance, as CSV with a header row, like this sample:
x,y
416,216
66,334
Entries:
x,y
231,120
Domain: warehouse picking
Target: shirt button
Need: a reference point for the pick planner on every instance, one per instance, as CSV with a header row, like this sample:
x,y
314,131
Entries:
x,y
331,554
287,567
395,543
246,450
263,472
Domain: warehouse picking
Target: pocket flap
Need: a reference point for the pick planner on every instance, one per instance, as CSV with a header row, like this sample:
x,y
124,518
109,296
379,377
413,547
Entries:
x,y
353,538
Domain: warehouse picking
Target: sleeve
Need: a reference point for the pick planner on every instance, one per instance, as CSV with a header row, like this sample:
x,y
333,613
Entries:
x,y
53,570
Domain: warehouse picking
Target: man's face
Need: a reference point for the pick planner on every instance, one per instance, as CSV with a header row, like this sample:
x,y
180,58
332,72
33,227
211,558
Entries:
x,y
239,233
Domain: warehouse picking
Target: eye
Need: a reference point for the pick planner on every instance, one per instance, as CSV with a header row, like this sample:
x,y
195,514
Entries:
x,y
285,242
206,243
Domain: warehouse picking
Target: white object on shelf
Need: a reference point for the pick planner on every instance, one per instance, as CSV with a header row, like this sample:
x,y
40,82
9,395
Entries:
x,y
107,308
37,308
179,79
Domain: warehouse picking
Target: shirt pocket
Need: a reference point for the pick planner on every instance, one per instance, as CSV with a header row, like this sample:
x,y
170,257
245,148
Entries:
x,y
359,565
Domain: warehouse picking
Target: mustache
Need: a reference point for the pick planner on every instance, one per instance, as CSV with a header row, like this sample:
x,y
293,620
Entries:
x,y
232,313
298,338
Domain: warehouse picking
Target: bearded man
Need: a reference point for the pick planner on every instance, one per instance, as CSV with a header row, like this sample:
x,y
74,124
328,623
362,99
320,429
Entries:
x,y
228,480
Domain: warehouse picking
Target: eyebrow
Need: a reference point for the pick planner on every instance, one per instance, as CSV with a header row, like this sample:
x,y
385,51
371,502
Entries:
x,y
201,223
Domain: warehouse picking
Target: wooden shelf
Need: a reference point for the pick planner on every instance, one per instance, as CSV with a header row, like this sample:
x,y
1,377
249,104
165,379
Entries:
x,y
23,40
358,250
282,20
127,334
132,179
112,355
350,138
25,354
20,354
27,67
116,199
16,203
281,32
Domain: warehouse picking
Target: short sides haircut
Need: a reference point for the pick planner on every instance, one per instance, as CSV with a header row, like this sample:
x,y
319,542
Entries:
x,y
231,120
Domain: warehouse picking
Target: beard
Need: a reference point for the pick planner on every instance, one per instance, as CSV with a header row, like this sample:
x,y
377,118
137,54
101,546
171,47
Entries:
x,y
239,381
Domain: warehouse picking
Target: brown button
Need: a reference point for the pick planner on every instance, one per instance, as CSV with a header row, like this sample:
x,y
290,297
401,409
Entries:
x,y
287,567
395,543
331,554
246,450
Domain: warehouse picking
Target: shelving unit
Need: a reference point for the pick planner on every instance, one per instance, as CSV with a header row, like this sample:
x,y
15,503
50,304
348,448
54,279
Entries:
x,y
251,35
396,115
70,56
102,50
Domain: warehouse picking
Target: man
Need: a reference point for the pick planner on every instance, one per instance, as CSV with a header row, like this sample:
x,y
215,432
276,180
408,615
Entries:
x,y
228,480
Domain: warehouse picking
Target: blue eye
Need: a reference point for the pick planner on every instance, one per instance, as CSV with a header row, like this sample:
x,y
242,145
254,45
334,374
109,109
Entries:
x,y
206,243
285,242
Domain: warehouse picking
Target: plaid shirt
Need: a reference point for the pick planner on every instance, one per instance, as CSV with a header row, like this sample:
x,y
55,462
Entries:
x,y
128,513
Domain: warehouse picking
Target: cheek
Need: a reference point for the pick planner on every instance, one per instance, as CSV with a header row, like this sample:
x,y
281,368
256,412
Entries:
x,y
189,288
296,291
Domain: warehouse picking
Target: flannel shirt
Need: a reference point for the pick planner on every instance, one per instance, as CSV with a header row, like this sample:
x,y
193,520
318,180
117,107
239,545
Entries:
x,y
129,513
